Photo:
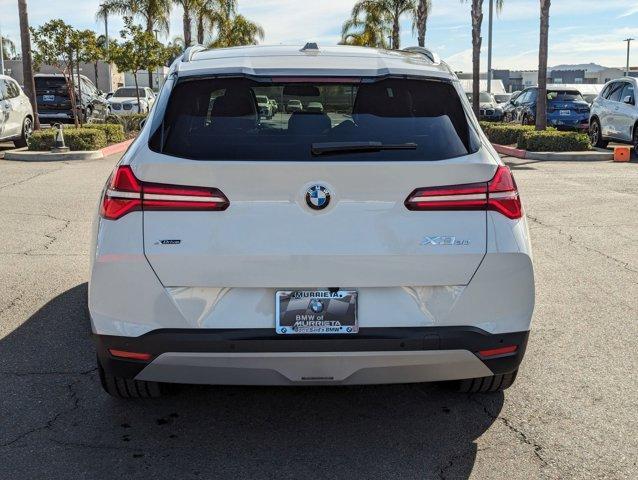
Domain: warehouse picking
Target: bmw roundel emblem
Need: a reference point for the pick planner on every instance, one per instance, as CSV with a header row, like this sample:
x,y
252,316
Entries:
x,y
317,197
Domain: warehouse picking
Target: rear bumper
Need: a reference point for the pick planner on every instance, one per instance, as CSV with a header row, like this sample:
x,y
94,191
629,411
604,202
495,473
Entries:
x,y
260,357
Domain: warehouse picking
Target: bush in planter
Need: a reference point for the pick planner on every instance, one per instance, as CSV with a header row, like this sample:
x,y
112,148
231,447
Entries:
x,y
131,123
75,138
554,141
505,134
114,133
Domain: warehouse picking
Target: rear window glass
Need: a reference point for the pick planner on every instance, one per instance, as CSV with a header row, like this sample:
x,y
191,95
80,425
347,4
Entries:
x,y
128,92
50,82
564,96
220,119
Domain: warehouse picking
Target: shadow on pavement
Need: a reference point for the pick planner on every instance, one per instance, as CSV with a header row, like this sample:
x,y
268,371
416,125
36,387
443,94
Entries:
x,y
57,422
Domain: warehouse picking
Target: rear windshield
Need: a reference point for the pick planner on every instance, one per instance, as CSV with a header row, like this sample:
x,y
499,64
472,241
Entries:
x,y
50,83
128,92
219,119
564,96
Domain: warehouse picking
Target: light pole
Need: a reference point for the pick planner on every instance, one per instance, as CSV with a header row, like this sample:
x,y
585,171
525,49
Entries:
x,y
157,70
489,49
1,52
108,60
628,40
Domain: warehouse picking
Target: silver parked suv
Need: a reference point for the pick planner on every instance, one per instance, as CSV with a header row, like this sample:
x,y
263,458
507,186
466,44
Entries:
x,y
614,114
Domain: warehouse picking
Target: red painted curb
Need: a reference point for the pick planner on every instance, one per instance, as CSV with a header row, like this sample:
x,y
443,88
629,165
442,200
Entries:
x,y
116,147
510,151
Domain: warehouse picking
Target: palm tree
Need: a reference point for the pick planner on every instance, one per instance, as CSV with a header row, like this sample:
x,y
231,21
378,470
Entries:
x,y
370,31
27,61
389,10
541,102
210,13
189,7
8,48
154,13
421,20
236,31
477,20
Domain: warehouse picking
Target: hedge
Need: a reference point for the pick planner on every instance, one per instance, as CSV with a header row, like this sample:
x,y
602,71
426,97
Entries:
x,y
84,138
130,123
554,141
504,133
114,133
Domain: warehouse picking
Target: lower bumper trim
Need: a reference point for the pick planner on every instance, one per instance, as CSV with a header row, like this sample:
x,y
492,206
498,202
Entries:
x,y
315,368
408,353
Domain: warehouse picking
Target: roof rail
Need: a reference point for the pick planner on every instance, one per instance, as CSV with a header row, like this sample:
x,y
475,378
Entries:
x,y
429,54
190,51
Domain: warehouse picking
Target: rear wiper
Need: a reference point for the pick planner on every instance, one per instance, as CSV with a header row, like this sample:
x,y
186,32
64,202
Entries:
x,y
334,148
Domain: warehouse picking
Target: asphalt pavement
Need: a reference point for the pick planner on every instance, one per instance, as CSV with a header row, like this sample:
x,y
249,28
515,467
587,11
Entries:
x,y
571,413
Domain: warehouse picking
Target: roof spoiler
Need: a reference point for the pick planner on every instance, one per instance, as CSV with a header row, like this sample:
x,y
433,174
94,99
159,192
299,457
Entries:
x,y
190,51
429,54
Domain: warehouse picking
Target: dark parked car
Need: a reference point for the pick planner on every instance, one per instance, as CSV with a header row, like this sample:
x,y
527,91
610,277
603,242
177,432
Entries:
x,y
566,109
54,105
489,108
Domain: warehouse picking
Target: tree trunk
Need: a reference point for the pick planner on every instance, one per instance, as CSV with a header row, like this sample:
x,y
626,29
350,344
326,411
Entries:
x,y
541,102
86,111
137,93
186,19
200,29
396,41
70,86
27,62
421,21
95,68
149,29
477,20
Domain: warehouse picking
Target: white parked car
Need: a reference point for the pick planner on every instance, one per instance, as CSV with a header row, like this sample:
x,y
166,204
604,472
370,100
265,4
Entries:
x,y
381,240
614,114
264,107
16,113
124,101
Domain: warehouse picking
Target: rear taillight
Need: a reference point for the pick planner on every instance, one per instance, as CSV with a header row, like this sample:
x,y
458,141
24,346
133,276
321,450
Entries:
x,y
125,194
499,194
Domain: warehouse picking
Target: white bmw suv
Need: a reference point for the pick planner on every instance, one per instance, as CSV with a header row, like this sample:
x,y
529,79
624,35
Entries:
x,y
380,240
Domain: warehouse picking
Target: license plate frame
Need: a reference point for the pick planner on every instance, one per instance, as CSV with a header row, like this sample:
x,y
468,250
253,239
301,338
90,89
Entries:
x,y
565,113
316,312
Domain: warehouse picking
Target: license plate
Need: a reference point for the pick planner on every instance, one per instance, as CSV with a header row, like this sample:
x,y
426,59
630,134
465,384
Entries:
x,y
48,98
565,113
316,312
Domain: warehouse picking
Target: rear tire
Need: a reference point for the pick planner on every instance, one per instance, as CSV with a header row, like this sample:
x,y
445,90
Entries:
x,y
596,135
27,128
119,387
495,383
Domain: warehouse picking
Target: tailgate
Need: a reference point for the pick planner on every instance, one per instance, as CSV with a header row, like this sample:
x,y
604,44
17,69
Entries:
x,y
269,237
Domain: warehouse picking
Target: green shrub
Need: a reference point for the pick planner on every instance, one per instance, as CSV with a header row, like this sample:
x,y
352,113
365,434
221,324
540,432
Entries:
x,y
84,138
505,133
554,141
131,123
114,133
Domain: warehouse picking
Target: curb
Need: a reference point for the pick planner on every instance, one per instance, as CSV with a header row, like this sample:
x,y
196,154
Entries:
x,y
116,147
591,156
26,156
22,155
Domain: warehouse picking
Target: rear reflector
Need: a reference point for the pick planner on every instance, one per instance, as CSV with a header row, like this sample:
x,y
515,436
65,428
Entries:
x,y
125,194
493,352
130,355
499,194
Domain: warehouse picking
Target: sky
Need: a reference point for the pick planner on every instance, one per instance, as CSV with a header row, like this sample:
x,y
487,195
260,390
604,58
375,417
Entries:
x,y
581,31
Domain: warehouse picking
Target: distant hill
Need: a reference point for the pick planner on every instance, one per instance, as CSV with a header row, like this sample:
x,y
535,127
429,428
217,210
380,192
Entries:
x,y
590,67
